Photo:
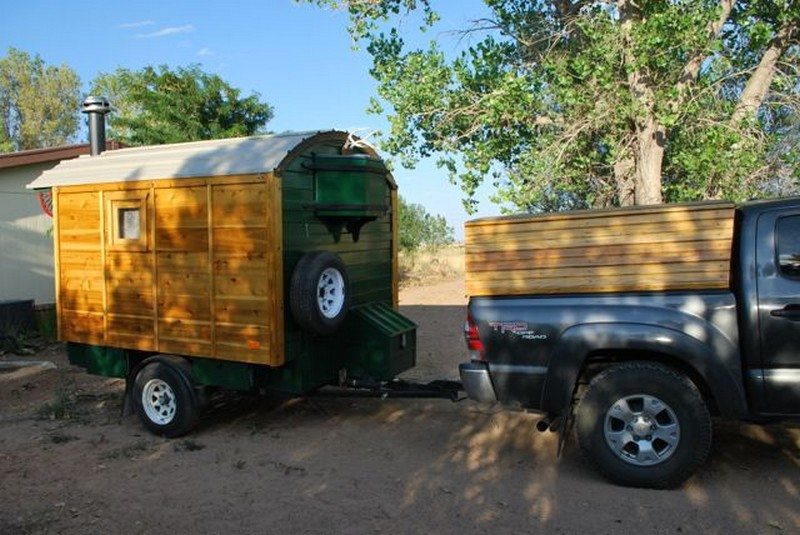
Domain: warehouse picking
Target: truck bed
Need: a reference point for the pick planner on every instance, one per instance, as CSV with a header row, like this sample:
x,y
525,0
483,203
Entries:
x,y
652,248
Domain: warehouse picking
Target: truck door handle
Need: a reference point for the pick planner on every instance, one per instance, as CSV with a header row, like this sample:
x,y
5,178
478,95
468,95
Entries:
x,y
790,312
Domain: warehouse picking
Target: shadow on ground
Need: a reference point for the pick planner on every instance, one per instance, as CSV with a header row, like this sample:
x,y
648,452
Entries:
x,y
326,465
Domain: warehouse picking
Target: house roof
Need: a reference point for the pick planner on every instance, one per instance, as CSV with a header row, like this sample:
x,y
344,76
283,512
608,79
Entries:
x,y
52,154
218,157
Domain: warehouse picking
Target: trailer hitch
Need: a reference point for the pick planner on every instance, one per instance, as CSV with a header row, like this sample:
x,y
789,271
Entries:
x,y
368,388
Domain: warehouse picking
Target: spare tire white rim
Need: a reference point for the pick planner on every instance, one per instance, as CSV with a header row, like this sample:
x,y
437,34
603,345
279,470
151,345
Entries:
x,y
158,401
330,293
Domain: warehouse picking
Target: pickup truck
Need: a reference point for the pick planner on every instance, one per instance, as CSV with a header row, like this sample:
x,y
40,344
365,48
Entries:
x,y
638,363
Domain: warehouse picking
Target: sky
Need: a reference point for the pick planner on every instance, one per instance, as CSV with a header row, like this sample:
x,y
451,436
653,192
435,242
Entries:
x,y
297,56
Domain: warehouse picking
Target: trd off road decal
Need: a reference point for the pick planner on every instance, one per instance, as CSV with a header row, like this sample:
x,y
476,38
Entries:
x,y
517,328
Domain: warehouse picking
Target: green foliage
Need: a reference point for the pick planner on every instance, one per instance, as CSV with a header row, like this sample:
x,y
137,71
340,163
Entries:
x,y
18,341
550,100
38,102
419,228
64,405
160,105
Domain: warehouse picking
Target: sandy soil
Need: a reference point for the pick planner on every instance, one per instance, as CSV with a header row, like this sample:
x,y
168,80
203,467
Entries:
x,y
354,466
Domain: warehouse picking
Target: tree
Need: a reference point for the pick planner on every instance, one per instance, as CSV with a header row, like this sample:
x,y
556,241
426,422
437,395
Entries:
x,y
38,102
417,227
578,103
160,105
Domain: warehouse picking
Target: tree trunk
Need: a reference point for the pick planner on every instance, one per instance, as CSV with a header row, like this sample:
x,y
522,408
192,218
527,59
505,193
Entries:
x,y
759,82
650,138
624,180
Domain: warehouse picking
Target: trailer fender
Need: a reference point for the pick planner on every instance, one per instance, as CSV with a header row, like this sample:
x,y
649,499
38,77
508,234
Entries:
x,y
578,342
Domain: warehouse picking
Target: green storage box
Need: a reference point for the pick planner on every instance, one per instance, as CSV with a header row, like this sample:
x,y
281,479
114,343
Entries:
x,y
380,342
349,186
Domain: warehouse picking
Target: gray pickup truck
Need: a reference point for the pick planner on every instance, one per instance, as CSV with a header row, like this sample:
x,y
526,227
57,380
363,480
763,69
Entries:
x,y
641,373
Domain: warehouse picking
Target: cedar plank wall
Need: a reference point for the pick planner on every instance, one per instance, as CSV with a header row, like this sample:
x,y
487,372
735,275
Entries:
x,y
80,268
190,291
658,248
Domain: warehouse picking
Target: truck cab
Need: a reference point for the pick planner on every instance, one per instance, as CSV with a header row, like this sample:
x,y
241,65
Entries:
x,y
769,305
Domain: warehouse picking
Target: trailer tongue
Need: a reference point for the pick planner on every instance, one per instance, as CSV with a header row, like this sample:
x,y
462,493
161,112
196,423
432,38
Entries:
x,y
440,388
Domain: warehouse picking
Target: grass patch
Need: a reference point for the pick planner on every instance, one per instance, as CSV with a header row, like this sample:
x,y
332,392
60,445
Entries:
x,y
129,451
64,405
426,265
60,438
188,445
18,341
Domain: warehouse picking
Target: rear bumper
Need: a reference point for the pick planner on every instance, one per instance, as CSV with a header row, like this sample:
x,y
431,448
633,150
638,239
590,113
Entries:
x,y
476,381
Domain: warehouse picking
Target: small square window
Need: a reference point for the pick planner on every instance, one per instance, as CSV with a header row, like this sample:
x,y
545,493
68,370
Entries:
x,y
126,220
128,225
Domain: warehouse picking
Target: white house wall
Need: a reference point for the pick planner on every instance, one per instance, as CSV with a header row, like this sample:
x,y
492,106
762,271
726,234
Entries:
x,y
26,244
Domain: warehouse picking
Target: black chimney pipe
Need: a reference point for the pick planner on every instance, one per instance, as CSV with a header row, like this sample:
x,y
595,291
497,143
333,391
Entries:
x,y
96,108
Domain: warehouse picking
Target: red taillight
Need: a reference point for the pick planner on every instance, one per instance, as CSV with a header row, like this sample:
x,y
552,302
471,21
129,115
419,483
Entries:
x,y
474,344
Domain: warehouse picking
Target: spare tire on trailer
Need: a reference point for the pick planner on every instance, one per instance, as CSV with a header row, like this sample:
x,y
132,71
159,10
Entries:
x,y
319,292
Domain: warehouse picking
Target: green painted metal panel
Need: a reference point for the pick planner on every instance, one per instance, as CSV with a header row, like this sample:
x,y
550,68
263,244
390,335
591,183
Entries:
x,y
99,360
343,187
318,362
227,374
349,180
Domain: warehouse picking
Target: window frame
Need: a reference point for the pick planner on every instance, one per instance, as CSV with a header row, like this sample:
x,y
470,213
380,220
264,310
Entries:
x,y
127,200
781,271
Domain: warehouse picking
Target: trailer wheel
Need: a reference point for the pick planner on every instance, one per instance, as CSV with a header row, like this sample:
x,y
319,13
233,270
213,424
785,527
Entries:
x,y
164,400
319,292
644,425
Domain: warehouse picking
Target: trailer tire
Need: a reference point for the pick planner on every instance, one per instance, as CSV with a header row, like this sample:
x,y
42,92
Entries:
x,y
164,399
319,292
643,424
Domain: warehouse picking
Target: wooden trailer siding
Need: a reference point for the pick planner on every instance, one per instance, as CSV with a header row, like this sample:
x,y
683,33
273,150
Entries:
x,y
79,264
204,279
666,247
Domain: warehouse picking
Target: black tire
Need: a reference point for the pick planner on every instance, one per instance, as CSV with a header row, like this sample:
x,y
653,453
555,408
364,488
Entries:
x,y
618,391
319,292
164,399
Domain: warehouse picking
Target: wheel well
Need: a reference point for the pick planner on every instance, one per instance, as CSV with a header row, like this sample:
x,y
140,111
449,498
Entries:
x,y
597,361
135,358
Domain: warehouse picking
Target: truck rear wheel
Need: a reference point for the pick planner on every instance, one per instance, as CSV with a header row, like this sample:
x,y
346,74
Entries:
x,y
163,398
644,425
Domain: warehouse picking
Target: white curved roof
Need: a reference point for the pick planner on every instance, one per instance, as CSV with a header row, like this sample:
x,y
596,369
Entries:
x,y
217,157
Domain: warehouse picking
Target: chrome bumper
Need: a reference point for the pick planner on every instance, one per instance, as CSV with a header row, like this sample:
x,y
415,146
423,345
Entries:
x,y
476,381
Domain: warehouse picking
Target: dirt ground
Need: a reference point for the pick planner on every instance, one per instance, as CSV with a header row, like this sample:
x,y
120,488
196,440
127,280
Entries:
x,y
70,464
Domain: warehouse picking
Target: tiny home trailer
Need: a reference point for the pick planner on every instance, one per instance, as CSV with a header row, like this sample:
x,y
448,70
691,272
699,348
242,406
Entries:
x,y
262,263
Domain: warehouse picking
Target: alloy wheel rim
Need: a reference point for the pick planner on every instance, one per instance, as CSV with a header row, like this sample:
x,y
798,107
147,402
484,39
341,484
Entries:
x,y
641,430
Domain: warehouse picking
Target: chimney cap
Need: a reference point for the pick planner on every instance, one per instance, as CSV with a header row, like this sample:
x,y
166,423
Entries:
x,y
95,105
